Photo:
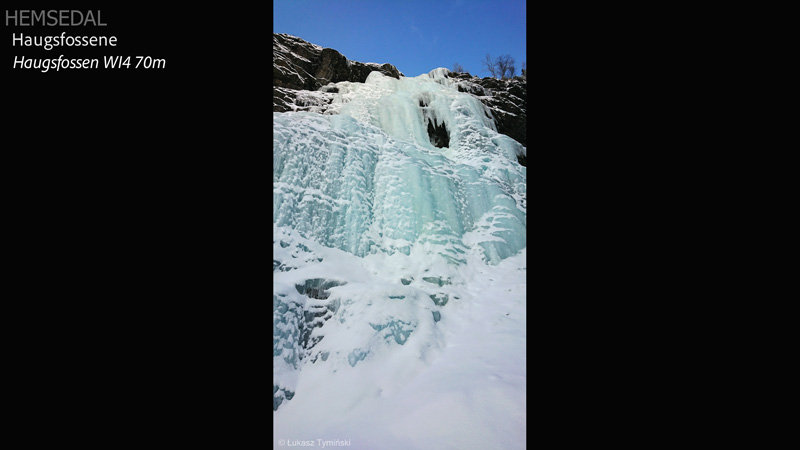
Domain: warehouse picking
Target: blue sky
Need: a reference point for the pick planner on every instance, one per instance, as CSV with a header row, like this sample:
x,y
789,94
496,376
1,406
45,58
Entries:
x,y
416,36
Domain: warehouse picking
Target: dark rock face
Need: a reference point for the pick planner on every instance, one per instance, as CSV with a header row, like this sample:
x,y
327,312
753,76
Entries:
x,y
506,99
509,105
298,65
333,66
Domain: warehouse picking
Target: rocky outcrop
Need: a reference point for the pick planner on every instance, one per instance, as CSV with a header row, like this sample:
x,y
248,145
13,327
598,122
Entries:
x,y
507,100
298,65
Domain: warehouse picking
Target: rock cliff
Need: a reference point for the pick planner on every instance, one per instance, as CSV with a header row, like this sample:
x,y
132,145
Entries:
x,y
298,65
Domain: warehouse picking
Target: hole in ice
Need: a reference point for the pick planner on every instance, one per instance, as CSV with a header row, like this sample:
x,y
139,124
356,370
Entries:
x,y
318,287
436,280
406,281
396,329
438,134
439,299
437,316
280,394
323,355
355,356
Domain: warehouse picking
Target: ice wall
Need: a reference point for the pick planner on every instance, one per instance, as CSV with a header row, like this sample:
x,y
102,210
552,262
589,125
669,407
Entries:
x,y
365,176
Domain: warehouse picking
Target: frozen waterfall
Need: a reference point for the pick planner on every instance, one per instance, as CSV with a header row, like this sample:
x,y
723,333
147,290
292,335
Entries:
x,y
399,218
365,177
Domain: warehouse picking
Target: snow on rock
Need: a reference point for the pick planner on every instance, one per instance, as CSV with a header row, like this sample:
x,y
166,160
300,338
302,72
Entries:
x,y
299,66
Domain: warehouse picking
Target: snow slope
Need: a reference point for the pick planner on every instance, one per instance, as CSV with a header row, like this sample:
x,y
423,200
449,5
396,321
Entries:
x,y
399,268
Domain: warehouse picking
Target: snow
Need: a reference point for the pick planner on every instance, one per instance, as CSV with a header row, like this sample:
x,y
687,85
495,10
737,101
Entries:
x,y
399,271
456,383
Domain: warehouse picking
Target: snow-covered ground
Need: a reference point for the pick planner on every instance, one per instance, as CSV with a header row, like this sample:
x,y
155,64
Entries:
x,y
399,297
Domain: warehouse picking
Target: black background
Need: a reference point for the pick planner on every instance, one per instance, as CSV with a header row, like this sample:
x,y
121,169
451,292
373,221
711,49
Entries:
x,y
138,221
